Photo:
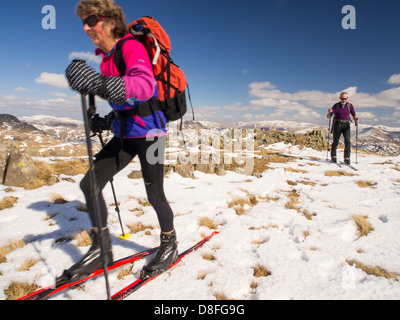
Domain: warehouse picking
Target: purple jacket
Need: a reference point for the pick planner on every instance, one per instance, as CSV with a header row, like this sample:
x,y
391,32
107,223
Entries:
x,y
343,113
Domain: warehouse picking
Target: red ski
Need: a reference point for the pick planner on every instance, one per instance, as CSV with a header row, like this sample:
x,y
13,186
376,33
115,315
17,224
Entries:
x,y
44,293
140,282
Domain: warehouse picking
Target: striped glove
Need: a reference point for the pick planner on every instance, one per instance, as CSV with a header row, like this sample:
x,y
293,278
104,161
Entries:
x,y
84,79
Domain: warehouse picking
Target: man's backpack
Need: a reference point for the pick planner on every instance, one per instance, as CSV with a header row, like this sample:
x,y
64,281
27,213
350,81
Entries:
x,y
171,81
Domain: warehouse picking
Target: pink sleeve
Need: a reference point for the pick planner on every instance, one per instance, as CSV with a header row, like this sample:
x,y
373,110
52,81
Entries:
x,y
139,76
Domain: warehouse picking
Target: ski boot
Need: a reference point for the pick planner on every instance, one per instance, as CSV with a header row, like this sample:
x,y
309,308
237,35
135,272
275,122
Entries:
x,y
166,255
91,261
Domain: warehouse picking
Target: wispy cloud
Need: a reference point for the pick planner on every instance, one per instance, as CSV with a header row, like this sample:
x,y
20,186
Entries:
x,y
394,79
53,80
21,89
88,56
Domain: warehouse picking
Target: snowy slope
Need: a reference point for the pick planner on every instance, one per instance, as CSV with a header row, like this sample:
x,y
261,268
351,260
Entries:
x,y
305,258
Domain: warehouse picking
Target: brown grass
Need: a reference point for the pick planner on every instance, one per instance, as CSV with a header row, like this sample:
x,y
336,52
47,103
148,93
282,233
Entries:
x,y
70,167
207,222
338,173
136,227
220,295
366,184
8,202
260,271
208,256
47,173
293,204
57,199
374,270
124,272
239,203
293,201
83,239
13,245
295,170
29,263
363,226
18,290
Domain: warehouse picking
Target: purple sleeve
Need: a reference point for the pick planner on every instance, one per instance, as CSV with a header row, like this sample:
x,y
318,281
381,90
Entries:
x,y
352,111
139,77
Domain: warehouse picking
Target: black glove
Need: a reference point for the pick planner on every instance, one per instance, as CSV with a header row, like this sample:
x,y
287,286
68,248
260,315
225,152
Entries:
x,y
99,124
84,79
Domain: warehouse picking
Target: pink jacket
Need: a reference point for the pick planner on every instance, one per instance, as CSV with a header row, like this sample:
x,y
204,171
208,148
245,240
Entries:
x,y
140,86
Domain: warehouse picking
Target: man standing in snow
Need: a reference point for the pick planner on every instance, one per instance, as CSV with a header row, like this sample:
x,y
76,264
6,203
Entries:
x,y
341,125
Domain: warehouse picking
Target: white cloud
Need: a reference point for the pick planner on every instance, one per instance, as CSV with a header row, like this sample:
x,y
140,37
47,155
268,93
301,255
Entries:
x,y
88,56
394,79
266,95
366,115
21,89
53,79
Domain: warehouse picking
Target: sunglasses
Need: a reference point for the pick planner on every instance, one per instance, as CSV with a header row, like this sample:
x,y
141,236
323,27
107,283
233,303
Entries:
x,y
343,98
92,20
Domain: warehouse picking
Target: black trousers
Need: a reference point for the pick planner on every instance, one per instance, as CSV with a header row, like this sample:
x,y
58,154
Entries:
x,y
112,159
340,128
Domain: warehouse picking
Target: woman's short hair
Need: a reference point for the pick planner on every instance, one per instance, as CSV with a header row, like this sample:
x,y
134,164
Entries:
x,y
104,8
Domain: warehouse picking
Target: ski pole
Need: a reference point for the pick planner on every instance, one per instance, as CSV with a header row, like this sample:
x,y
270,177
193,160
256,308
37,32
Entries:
x,y
356,142
124,235
91,113
95,191
329,137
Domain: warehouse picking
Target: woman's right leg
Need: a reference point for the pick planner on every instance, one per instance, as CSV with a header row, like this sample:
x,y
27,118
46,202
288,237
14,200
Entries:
x,y
109,161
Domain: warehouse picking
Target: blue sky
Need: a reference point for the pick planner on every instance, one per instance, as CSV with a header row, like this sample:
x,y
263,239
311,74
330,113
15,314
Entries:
x,y
244,60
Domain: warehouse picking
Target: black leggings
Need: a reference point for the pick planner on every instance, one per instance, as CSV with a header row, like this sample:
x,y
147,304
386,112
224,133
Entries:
x,y
340,128
111,159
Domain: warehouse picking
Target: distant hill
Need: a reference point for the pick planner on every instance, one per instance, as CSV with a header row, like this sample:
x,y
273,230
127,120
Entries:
x,y
379,139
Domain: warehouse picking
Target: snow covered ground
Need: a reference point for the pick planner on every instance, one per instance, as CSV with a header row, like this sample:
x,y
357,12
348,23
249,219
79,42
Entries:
x,y
296,222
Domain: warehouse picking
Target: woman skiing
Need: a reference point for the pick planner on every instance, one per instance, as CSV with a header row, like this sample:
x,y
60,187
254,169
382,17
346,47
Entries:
x,y
104,23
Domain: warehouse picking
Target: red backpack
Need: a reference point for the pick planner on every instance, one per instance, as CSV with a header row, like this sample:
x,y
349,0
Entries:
x,y
171,81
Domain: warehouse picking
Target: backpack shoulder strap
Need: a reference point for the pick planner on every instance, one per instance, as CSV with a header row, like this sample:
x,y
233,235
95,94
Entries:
x,y
118,61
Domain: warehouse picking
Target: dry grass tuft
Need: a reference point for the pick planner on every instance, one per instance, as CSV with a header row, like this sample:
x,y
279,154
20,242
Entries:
x,y
18,290
8,202
363,226
136,227
293,201
338,173
238,203
47,173
260,271
70,167
29,263
207,222
58,199
220,295
374,270
13,245
124,272
83,239
253,285
366,184
208,256
295,170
